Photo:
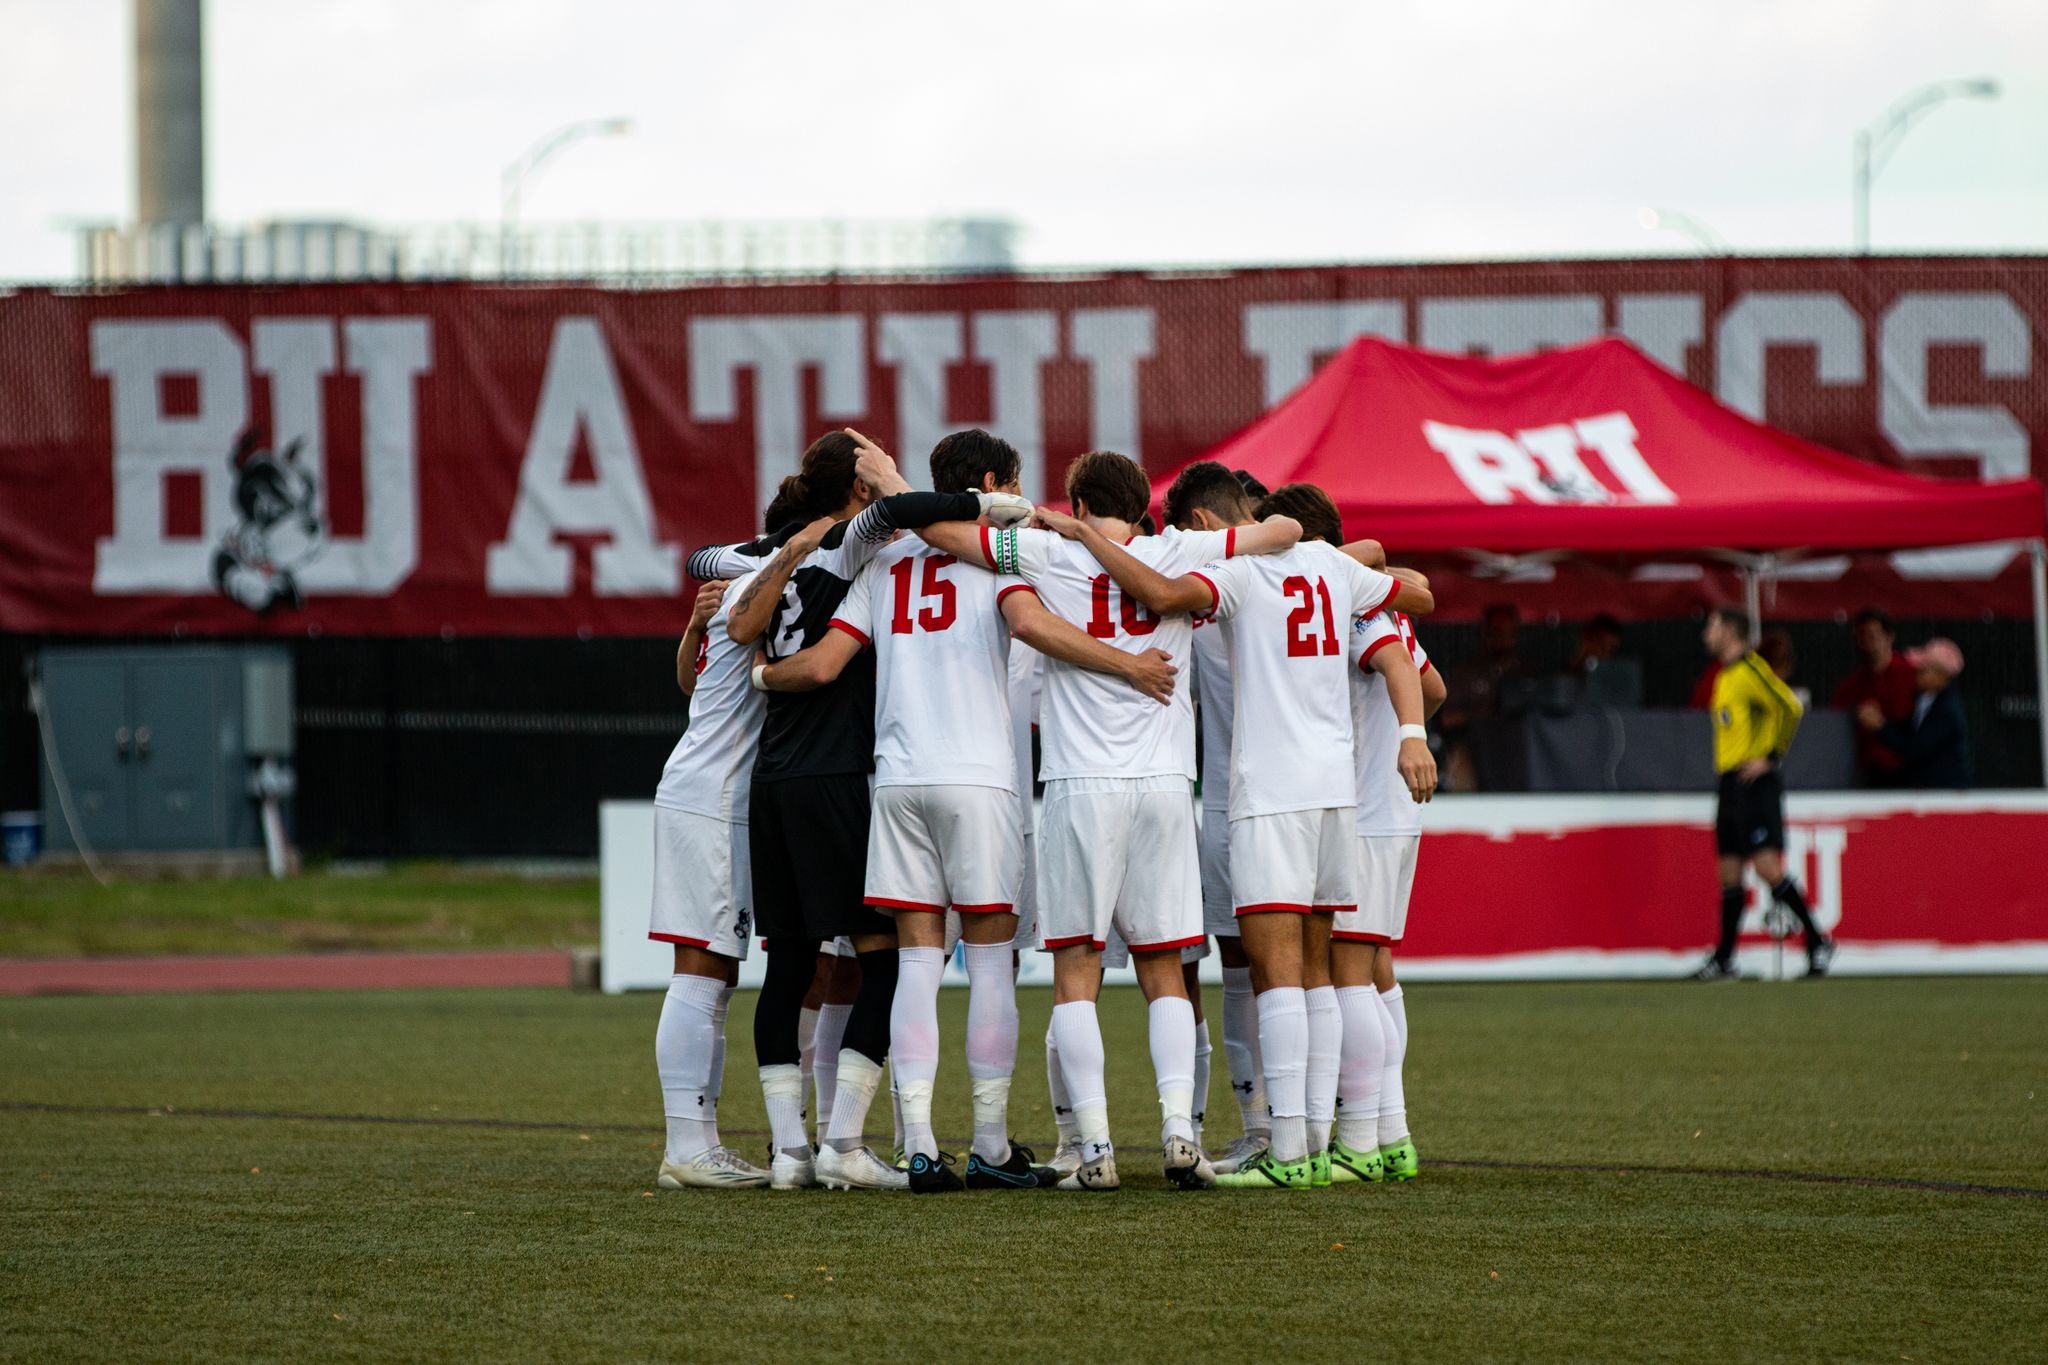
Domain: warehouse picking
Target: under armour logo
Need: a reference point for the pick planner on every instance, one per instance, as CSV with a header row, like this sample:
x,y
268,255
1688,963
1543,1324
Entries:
x,y
1244,1089
1061,1109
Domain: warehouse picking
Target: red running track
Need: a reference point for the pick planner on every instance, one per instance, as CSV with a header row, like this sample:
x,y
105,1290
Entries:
x,y
280,972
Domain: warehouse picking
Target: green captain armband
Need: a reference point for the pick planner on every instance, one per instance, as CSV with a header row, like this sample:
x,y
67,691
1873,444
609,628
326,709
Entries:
x,y
1003,550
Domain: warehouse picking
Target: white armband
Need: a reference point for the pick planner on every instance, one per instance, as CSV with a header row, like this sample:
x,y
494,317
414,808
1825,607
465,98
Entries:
x,y
760,686
1407,731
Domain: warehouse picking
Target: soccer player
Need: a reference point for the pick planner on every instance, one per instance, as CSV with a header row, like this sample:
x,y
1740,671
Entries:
x,y
1117,846
1394,689
1293,796
1755,716
809,802
946,832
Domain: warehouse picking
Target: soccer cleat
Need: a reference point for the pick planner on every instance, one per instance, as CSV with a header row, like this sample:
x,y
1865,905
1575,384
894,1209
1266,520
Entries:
x,y
1099,1174
1186,1167
1820,957
713,1168
859,1169
1240,1153
1348,1165
1714,969
1268,1174
1066,1159
1399,1159
933,1174
1016,1173
789,1171
900,1159
1319,1170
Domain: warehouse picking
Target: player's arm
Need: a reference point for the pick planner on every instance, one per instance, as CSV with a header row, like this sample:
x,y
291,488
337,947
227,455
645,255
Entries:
x,y
1785,707
1404,689
749,618
901,509
1411,593
966,541
1370,553
1434,690
708,598
812,667
1167,596
1151,672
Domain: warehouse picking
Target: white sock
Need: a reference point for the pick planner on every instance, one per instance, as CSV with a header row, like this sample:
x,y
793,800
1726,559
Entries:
x,y
914,1043
896,1114
1325,1041
1080,1038
1364,1063
825,1064
1056,1086
859,1078
1202,1053
991,1043
683,1047
806,1043
717,1085
1171,1025
1241,1048
782,1090
1393,1103
1283,1047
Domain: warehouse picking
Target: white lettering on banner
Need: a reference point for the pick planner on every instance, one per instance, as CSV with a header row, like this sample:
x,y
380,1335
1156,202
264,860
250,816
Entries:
x,y
1013,346
150,445
1917,426
1813,858
1757,322
390,354
1662,326
920,346
1112,341
1546,465
580,393
777,349
1291,337
1514,325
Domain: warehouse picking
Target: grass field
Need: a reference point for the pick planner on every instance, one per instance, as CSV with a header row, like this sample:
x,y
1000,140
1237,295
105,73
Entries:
x,y
404,905
229,1197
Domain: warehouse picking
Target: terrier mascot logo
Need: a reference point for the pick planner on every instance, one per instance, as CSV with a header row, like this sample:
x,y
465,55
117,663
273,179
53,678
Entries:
x,y
278,530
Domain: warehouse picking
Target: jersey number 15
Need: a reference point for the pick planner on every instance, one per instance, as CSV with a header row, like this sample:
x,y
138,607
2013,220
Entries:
x,y
940,604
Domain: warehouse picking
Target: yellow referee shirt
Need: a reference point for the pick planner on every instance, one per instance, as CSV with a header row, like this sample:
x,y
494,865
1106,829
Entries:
x,y
1755,714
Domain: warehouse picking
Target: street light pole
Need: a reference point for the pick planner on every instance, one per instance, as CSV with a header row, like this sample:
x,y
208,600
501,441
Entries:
x,y
1875,142
512,181
1710,242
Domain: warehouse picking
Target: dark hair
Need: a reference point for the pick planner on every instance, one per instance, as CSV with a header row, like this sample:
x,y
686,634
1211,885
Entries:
x,y
1736,618
1606,623
1879,615
1210,487
1147,526
823,481
1253,489
1307,504
960,461
1495,610
1110,484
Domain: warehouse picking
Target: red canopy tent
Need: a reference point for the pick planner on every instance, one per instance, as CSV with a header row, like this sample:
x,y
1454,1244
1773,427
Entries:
x,y
1597,448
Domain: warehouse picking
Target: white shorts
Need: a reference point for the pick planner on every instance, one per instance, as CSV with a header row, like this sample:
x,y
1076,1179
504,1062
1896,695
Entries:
x,y
1116,956
1121,852
1386,875
703,883
945,848
1298,860
1217,918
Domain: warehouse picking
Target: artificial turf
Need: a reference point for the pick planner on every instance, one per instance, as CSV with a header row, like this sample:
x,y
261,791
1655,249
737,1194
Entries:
x,y
172,1231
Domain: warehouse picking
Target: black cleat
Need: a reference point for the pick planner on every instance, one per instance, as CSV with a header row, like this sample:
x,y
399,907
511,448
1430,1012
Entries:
x,y
1716,970
933,1174
1820,957
1018,1173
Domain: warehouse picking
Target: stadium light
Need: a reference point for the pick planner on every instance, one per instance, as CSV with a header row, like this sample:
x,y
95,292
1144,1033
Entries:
x,y
1710,242
512,182
1875,142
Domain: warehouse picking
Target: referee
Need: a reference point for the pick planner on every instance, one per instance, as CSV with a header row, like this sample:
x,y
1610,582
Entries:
x,y
1755,716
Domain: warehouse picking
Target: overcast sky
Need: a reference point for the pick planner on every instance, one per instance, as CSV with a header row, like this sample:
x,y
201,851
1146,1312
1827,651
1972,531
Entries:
x,y
1115,131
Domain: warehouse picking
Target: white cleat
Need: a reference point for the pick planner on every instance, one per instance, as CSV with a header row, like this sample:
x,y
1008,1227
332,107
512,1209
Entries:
x,y
1186,1167
859,1169
791,1172
717,1168
1240,1154
1099,1174
1067,1159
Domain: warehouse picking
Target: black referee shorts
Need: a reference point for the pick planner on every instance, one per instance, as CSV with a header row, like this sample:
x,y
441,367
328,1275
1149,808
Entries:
x,y
1751,815
808,845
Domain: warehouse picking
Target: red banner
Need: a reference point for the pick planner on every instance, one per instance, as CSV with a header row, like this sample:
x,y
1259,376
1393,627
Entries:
x,y
506,460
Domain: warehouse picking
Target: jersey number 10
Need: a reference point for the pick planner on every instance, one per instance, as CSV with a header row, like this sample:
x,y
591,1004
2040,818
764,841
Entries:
x,y
941,605
1137,621
1301,622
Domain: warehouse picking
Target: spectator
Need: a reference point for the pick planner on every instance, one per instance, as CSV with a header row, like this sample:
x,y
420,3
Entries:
x,y
1775,648
1599,641
1932,745
1885,680
1476,692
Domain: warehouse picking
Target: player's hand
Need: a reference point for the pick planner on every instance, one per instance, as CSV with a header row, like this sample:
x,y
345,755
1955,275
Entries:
x,y
875,468
1414,578
1418,769
812,535
1004,509
1870,716
1045,518
1152,673
708,598
1752,770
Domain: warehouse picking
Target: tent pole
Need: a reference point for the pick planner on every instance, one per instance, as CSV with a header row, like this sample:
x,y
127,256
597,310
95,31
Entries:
x,y
2038,553
1753,600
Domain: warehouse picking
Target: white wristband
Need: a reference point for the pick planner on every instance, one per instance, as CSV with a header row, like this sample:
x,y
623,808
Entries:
x,y
1407,731
755,678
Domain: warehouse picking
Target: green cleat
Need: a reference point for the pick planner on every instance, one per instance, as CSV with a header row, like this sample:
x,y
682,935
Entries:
x,y
1319,1169
1348,1165
1399,1159
1268,1174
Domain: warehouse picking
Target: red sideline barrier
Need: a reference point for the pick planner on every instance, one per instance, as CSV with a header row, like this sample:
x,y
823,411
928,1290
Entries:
x,y
294,972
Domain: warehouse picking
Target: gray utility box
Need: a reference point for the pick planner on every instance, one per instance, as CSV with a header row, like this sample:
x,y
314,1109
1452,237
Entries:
x,y
157,743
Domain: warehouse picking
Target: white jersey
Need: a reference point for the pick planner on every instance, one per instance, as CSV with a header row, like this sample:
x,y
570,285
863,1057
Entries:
x,y
712,766
1027,680
1285,618
942,674
1212,690
1095,725
1385,805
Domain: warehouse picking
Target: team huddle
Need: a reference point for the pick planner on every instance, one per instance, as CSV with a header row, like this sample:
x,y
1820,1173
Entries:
x,y
855,788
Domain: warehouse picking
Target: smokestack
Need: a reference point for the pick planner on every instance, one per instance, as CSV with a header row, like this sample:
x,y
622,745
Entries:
x,y
170,131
